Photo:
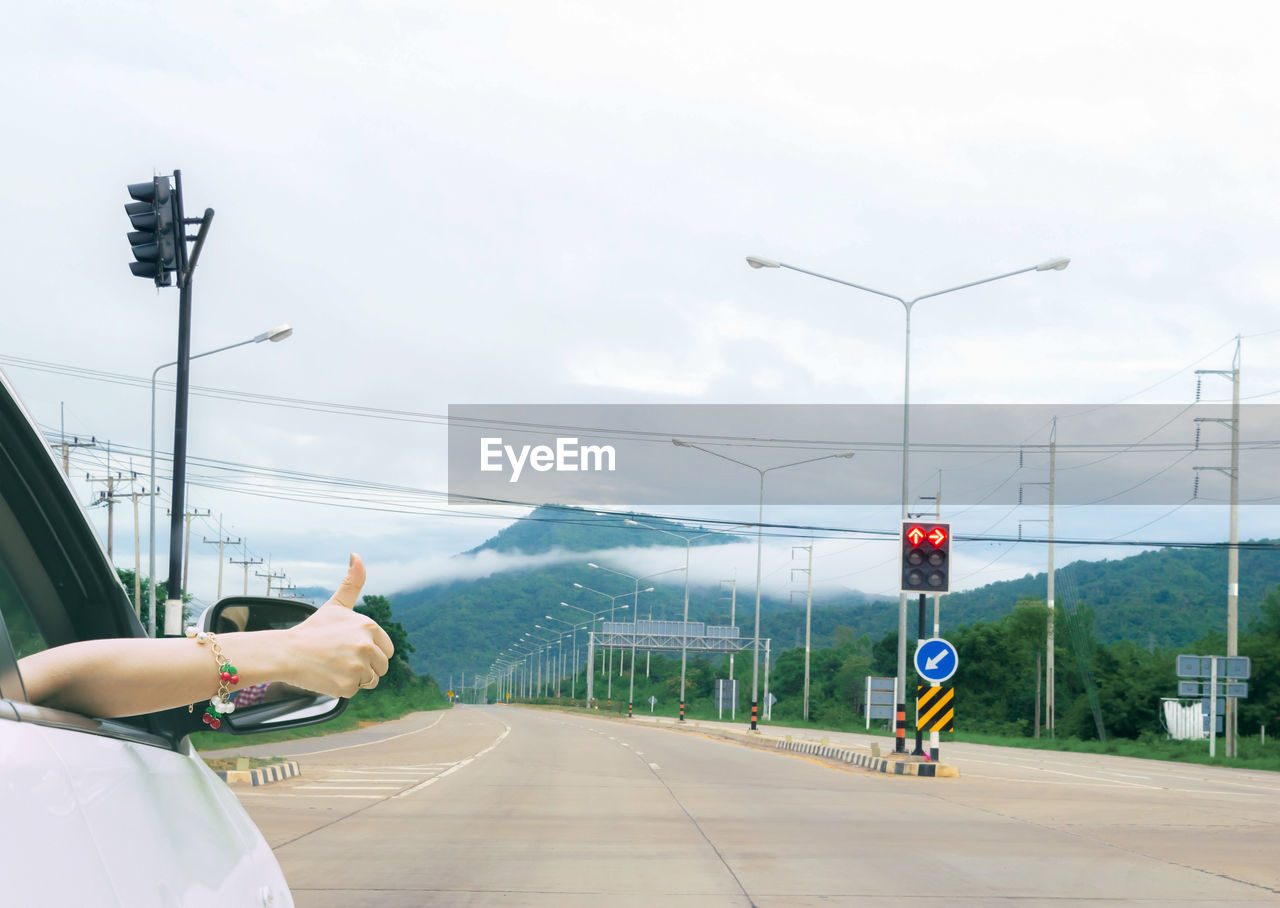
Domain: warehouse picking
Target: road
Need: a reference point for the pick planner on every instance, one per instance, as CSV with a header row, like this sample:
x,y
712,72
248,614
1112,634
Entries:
x,y
513,806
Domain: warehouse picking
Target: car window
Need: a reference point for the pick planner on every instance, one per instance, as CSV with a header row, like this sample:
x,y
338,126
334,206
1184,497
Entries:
x,y
23,632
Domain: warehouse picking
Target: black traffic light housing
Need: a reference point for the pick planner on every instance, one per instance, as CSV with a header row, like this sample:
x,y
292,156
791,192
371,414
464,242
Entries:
x,y
156,230
926,557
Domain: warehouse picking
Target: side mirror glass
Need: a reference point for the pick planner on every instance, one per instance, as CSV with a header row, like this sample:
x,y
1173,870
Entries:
x,y
275,705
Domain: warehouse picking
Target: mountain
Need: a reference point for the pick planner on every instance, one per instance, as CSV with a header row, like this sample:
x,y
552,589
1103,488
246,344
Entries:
x,y
1169,597
570,529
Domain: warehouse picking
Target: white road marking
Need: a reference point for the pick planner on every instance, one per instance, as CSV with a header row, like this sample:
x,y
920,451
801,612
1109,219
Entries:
x,y
373,779
506,730
654,766
346,787
406,734
285,794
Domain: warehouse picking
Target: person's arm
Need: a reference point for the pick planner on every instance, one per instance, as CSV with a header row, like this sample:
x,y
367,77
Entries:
x,y
335,652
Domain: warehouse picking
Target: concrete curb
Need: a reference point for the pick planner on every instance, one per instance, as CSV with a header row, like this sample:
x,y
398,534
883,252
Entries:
x,y
804,748
875,764
263,775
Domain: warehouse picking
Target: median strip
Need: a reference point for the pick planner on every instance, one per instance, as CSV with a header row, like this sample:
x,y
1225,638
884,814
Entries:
x,y
263,775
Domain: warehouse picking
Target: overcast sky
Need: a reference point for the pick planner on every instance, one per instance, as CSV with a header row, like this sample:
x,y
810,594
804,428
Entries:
x,y
551,203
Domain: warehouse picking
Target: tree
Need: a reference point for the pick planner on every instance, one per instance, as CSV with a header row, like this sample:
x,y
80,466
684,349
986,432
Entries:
x,y
379,609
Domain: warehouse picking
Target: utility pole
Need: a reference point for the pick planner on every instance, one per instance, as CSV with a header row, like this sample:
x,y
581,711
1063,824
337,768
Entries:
x,y
733,614
137,552
1050,681
1049,674
109,499
1233,544
270,575
247,562
220,542
68,445
186,556
808,614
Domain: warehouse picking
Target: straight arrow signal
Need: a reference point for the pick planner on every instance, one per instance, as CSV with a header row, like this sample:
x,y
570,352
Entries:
x,y
915,534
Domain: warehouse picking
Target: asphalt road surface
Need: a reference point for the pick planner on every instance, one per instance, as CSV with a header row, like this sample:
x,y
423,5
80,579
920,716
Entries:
x,y
513,806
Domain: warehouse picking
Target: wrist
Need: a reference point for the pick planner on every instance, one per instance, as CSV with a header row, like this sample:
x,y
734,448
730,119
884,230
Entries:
x,y
260,656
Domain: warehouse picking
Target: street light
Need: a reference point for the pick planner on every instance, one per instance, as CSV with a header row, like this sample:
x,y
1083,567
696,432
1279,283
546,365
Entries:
x,y
684,630
613,600
174,626
573,685
1053,264
559,652
755,658
635,623
543,645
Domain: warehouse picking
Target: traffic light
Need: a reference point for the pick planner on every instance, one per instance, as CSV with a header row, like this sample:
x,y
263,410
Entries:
x,y
154,237
926,557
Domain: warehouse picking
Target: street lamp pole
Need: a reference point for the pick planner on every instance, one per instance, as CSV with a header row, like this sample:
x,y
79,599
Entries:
x,y
613,604
635,617
275,335
1054,264
573,685
684,630
755,657
595,616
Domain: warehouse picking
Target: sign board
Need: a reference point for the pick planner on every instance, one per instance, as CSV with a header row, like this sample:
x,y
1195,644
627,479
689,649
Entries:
x,y
936,660
880,698
772,699
1237,689
1221,706
726,694
1234,667
935,708
1220,725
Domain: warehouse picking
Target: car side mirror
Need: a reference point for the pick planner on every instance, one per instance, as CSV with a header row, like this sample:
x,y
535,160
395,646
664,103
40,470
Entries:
x,y
275,705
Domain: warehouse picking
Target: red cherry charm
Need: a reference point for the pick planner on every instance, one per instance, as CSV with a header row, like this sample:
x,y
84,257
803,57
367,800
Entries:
x,y
225,676
207,718
216,723
235,679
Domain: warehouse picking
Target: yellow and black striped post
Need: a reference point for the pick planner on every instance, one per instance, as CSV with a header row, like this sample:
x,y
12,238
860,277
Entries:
x,y
900,729
935,708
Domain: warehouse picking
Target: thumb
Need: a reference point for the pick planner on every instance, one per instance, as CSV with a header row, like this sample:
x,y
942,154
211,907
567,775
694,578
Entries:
x,y
348,593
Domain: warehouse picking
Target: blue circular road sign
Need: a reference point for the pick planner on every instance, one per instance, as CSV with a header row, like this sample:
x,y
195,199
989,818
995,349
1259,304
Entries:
x,y
936,659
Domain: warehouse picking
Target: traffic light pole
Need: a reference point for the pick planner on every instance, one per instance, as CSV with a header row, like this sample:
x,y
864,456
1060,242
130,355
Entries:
x,y
186,269
921,634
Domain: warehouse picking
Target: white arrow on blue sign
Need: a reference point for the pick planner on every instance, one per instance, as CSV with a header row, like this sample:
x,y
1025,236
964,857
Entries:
x,y
936,659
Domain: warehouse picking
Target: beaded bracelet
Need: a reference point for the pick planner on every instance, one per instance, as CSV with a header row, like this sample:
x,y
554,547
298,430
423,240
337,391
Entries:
x,y
221,702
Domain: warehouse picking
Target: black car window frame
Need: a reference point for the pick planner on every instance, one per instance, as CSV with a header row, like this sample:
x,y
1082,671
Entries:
x,y
61,569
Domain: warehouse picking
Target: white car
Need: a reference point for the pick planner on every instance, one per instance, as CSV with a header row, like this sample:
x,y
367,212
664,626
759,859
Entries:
x,y
108,812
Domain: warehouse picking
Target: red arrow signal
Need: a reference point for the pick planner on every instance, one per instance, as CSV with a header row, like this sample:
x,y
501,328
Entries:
x,y
915,534
938,536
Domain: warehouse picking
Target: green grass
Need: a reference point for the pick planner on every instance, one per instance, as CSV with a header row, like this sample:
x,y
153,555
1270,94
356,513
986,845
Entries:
x,y
226,764
366,708
1253,753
